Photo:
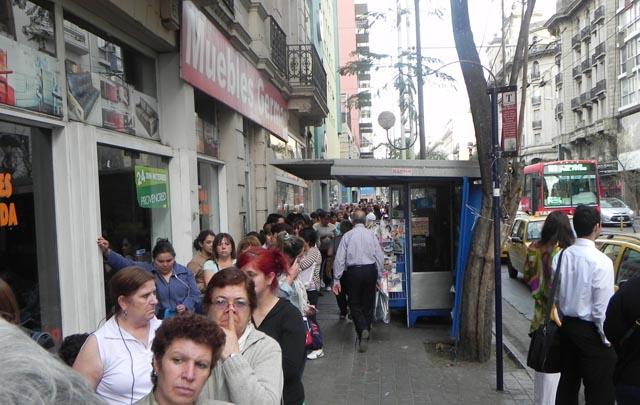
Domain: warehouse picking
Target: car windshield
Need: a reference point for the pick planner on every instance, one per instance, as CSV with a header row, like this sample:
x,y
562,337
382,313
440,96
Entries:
x,y
612,203
533,230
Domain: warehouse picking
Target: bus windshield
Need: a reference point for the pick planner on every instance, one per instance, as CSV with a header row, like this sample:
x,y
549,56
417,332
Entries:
x,y
570,190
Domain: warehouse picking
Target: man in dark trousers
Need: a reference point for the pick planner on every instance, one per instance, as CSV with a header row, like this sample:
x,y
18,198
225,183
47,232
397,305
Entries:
x,y
622,328
586,285
358,262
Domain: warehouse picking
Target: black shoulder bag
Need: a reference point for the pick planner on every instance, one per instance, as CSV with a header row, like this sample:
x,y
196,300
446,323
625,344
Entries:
x,y
544,350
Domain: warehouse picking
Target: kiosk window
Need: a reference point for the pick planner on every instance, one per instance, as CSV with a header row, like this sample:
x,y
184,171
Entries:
x,y
430,224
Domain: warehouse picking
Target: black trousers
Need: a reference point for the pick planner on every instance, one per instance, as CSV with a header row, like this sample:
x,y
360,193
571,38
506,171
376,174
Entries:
x,y
361,294
585,359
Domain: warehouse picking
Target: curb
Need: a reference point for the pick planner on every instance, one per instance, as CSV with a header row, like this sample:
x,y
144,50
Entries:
x,y
515,355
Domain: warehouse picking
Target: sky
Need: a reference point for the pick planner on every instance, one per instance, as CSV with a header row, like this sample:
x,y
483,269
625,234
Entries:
x,y
441,102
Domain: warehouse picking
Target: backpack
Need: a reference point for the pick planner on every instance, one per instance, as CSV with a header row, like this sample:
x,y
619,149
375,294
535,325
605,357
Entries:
x,y
314,335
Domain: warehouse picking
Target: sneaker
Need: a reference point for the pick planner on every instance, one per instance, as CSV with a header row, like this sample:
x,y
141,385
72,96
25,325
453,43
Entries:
x,y
327,288
364,341
343,316
316,354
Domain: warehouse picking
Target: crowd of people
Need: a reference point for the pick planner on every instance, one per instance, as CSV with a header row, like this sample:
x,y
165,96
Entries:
x,y
598,343
234,324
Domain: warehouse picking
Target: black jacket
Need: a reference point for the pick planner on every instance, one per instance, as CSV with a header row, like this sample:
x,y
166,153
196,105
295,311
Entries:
x,y
284,323
622,312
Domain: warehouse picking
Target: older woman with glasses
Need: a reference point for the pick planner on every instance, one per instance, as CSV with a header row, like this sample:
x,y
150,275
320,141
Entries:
x,y
250,368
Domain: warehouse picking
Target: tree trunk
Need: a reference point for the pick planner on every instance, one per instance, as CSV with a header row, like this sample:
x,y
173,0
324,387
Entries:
x,y
477,298
478,290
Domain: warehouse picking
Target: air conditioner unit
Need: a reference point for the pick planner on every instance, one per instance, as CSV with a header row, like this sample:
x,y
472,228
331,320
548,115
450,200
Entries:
x,y
170,14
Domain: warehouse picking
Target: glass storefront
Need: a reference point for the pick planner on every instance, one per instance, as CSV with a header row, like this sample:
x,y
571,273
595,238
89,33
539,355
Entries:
x,y
28,251
289,197
134,202
208,203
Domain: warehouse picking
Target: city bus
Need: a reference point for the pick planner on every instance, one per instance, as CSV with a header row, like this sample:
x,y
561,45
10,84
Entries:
x,y
560,185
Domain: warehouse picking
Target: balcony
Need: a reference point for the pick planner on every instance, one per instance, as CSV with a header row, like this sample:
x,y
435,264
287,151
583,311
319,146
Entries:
x,y
577,72
586,65
601,87
537,124
575,41
278,47
308,80
599,52
585,33
598,15
559,109
535,100
575,104
230,6
585,99
559,79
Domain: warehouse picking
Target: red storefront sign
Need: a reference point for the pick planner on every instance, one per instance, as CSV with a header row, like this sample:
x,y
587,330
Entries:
x,y
210,63
509,145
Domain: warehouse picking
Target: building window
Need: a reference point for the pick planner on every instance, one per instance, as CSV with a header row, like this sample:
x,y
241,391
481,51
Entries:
x,y
627,87
30,23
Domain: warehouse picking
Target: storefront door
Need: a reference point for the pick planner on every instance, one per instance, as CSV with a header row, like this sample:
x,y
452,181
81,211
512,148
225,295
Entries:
x,y
28,250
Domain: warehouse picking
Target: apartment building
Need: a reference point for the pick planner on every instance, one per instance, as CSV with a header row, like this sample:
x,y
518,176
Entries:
x,y
139,120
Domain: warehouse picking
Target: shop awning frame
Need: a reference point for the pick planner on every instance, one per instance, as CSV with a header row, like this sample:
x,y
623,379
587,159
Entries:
x,y
378,172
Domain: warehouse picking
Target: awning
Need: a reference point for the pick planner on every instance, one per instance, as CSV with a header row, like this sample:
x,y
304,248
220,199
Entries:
x,y
379,172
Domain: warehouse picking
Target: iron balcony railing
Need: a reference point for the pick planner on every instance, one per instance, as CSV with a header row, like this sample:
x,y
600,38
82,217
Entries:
x,y
278,46
575,103
575,41
601,86
558,79
559,109
598,15
305,68
585,33
577,71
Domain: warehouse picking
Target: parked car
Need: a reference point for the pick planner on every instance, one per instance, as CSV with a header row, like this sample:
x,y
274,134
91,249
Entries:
x,y
524,231
613,211
624,250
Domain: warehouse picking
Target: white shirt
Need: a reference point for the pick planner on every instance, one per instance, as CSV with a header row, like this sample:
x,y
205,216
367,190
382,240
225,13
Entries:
x,y
117,385
586,283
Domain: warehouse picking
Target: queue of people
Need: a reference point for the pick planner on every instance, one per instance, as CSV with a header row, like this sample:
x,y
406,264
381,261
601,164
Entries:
x,y
598,334
229,327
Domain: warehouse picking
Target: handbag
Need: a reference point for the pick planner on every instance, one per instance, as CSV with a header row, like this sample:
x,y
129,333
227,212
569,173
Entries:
x,y
545,354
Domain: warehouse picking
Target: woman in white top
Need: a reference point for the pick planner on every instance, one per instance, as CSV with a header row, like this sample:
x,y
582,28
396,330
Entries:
x,y
116,359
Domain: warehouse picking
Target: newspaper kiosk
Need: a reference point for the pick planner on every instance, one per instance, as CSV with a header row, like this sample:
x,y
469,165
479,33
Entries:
x,y
433,205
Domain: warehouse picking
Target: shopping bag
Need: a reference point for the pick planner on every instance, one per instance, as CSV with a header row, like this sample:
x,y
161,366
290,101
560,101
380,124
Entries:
x,y
381,311
544,349
314,339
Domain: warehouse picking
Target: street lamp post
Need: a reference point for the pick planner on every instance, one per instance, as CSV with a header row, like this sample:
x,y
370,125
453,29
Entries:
x,y
387,120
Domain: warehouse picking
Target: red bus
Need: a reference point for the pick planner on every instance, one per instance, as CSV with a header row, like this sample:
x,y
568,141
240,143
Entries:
x,y
561,185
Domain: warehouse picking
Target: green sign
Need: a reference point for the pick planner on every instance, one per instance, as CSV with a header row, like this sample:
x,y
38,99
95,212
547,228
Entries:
x,y
152,187
569,168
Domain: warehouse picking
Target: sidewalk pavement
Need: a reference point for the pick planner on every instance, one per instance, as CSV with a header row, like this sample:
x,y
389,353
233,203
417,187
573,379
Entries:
x,y
404,366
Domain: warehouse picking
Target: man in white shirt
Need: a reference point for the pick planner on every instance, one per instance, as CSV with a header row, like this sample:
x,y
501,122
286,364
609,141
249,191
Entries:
x,y
586,285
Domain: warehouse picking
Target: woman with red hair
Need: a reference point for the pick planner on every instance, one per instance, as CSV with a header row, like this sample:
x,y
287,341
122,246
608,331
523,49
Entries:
x,y
277,317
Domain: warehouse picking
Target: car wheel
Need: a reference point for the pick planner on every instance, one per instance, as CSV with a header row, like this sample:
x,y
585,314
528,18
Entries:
x,y
513,273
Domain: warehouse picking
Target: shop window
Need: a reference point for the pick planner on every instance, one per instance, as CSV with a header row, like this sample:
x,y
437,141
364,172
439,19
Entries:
x,y
134,202
108,83
208,202
289,198
28,252
30,23
207,132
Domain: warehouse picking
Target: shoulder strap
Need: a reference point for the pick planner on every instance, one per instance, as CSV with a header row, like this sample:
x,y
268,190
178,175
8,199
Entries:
x,y
552,294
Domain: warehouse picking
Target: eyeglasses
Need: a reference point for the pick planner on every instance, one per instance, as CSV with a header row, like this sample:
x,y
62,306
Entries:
x,y
221,304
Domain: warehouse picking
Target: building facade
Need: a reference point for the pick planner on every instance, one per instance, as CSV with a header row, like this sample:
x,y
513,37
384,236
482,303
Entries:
x,y
141,120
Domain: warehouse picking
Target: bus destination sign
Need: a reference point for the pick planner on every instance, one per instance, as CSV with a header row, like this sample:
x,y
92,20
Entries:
x,y
566,168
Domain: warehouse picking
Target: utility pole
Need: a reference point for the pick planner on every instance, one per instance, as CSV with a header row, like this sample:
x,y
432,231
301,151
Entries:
x,y
423,149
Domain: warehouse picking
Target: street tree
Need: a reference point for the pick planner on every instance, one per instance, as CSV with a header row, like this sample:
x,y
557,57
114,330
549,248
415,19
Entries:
x,y
478,292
